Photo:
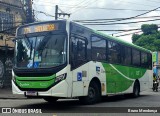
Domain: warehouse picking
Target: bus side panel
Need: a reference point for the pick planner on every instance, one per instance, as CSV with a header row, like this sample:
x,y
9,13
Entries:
x,y
120,79
80,80
146,81
96,70
117,81
83,75
68,79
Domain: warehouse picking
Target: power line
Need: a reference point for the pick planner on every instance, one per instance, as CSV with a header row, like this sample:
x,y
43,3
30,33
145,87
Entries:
x,y
94,8
44,13
137,3
50,3
128,17
81,6
88,3
113,20
121,23
152,1
120,29
103,8
120,32
84,0
116,33
128,34
78,4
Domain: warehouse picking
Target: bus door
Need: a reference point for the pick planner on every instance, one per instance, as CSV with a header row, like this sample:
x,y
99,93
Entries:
x,y
78,65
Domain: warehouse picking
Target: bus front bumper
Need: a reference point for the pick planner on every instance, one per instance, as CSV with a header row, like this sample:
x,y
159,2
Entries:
x,y
59,90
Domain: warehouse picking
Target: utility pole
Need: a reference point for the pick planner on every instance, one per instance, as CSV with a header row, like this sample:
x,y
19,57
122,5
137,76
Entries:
x,y
56,12
62,13
28,10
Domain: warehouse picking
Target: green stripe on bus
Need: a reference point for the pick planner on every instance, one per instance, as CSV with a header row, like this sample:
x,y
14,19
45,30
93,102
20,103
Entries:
x,y
131,72
35,82
120,78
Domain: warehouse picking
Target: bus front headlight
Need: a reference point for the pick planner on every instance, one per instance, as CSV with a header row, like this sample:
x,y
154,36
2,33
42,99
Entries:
x,y
60,78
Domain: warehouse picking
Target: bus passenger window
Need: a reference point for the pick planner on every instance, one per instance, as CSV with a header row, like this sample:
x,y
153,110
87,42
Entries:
x,y
144,60
114,52
98,48
126,55
135,57
78,51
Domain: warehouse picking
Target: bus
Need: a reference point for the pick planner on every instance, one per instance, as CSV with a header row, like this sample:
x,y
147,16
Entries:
x,y
62,59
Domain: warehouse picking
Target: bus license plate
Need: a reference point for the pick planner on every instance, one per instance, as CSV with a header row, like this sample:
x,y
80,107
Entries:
x,y
31,93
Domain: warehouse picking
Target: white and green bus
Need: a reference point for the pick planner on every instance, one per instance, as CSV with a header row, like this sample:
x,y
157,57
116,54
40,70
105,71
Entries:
x,y
62,59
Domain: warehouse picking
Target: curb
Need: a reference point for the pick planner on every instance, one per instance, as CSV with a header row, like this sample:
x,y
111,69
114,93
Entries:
x,y
12,98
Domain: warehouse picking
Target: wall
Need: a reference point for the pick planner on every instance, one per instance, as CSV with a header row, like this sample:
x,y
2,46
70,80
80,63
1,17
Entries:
x,y
14,8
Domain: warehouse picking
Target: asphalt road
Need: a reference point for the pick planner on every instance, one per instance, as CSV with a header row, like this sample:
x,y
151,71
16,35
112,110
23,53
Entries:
x,y
116,105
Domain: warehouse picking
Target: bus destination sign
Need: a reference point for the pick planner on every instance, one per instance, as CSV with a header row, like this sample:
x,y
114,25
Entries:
x,y
38,28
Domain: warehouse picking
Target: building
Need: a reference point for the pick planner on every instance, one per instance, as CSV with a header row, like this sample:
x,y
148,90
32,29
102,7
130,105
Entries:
x,y
12,15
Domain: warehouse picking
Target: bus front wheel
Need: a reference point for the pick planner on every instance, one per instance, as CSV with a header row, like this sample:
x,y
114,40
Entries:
x,y
50,99
93,96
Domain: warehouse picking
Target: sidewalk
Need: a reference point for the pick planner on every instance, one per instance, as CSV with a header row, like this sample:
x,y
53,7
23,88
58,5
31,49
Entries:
x,y
6,93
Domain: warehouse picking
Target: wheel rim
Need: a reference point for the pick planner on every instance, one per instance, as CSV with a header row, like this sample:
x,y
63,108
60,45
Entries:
x,y
91,93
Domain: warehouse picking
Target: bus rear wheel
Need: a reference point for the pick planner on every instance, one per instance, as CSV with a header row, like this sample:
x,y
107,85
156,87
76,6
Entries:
x,y
50,99
93,96
136,90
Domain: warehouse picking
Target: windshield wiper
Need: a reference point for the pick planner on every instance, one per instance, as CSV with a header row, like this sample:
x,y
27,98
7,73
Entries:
x,y
44,41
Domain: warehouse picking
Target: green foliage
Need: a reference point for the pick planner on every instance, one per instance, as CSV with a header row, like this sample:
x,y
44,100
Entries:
x,y
149,29
150,39
135,37
146,42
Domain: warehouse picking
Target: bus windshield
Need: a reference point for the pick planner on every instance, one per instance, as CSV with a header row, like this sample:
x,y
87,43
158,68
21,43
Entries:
x,y
40,51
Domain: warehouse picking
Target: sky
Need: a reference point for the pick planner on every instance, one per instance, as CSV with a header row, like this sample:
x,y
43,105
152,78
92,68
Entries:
x,y
102,9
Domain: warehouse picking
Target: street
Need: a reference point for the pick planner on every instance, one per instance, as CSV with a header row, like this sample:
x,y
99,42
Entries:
x,y
147,99
115,104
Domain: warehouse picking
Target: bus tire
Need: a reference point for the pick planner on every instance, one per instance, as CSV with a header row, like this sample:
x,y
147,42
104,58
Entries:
x,y
50,99
93,96
136,90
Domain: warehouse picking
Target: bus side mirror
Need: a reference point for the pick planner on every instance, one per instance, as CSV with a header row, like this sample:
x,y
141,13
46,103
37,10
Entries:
x,y
79,45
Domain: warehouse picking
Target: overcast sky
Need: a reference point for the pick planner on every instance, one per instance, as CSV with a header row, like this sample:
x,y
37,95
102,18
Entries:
x,y
101,9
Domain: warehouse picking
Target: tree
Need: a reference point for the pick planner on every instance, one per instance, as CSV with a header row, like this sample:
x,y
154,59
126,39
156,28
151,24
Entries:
x,y
146,42
135,37
149,29
150,39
